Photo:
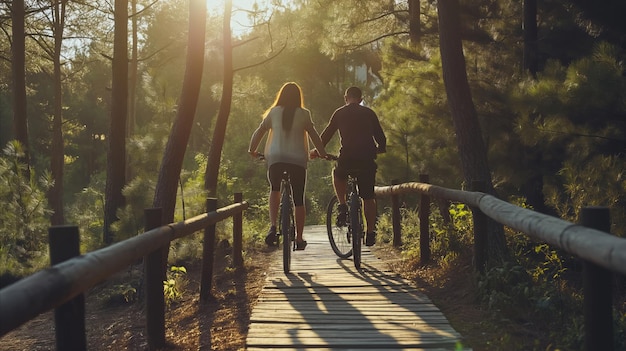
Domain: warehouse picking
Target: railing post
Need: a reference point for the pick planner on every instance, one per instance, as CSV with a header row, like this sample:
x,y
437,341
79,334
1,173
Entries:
x,y
396,218
480,231
208,254
238,234
598,309
424,214
69,318
154,276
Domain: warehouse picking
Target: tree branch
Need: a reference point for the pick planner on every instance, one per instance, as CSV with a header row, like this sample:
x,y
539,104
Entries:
x,y
262,62
356,46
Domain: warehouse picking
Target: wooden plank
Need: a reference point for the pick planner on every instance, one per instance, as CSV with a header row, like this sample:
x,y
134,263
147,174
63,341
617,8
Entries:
x,y
344,327
325,303
460,348
378,348
347,319
354,332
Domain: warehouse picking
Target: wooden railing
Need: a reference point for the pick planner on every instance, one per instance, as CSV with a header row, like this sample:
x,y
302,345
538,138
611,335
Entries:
x,y
61,287
601,253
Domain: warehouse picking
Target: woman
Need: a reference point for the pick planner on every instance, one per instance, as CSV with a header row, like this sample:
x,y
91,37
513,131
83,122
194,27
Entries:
x,y
289,127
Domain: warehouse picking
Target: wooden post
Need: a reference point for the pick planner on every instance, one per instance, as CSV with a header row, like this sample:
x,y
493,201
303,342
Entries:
x,y
238,235
396,218
69,318
597,306
154,264
208,254
424,214
480,231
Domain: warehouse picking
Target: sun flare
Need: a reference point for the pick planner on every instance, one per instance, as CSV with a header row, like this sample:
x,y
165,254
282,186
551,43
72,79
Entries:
x,y
240,19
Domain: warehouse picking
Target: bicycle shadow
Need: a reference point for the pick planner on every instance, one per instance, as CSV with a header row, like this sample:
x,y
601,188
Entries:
x,y
326,303
396,290
334,318
326,314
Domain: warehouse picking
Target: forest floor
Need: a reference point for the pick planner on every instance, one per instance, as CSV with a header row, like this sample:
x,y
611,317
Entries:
x,y
221,323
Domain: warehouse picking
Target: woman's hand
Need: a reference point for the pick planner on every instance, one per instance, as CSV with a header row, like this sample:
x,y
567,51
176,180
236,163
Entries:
x,y
314,153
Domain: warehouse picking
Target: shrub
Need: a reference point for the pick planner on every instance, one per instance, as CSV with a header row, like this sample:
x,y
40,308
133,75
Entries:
x,y
23,215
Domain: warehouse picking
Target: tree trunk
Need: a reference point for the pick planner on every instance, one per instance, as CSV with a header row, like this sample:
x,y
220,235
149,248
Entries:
x,y
414,21
472,149
213,162
132,83
116,156
57,152
530,37
171,165
18,65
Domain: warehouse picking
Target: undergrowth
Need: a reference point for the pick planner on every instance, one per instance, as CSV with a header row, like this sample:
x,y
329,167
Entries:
x,y
538,290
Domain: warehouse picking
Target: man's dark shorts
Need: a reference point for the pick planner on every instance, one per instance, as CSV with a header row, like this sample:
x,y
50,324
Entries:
x,y
297,177
365,172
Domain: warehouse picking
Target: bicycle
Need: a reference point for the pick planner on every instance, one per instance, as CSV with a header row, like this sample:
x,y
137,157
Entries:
x,y
286,226
286,220
347,240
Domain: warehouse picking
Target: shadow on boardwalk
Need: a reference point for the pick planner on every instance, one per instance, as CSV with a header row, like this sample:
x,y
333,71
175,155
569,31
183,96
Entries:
x,y
325,303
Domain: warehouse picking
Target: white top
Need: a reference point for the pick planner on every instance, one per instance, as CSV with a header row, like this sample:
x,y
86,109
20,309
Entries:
x,y
290,146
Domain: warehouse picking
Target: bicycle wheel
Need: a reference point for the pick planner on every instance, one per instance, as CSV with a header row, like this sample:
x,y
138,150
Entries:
x,y
356,225
339,237
286,228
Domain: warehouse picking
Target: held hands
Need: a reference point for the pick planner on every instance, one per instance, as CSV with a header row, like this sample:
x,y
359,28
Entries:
x,y
314,153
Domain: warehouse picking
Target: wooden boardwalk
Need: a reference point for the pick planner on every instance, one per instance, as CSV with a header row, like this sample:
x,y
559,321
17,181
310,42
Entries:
x,y
326,304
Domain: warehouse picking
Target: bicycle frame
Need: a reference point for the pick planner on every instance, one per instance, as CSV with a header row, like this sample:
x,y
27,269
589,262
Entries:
x,y
355,226
354,229
286,222
287,228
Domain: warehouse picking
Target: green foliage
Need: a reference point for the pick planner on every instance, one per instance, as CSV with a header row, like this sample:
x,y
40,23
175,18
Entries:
x,y
23,214
505,288
138,194
597,181
416,120
175,284
86,211
540,285
447,240
144,158
574,114
120,294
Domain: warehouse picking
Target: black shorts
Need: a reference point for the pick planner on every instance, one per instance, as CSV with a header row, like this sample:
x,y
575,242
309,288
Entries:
x,y
297,177
363,170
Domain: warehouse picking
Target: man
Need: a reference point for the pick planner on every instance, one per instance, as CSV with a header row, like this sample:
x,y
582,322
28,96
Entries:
x,y
361,139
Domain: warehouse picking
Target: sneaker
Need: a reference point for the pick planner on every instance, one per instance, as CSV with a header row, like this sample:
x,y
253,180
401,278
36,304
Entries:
x,y
342,215
271,238
300,245
370,239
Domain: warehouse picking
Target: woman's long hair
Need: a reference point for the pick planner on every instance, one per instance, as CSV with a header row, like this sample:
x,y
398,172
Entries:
x,y
290,98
